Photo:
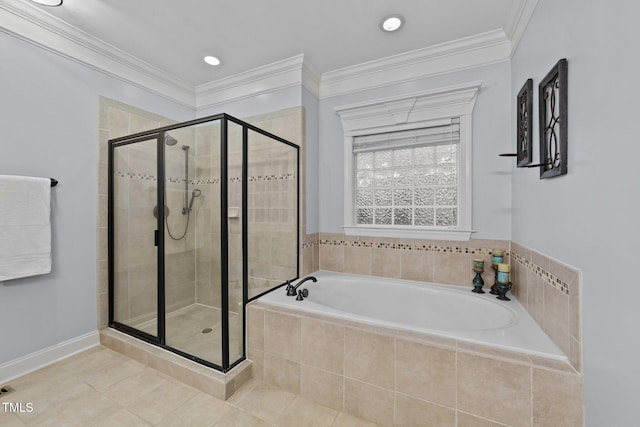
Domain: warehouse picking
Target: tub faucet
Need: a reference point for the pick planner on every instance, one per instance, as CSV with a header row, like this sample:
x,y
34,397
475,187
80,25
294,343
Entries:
x,y
292,290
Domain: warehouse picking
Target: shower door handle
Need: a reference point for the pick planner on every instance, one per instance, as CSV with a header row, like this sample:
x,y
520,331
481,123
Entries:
x,y
156,237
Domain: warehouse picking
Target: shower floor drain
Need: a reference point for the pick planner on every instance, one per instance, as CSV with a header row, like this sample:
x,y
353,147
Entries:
x,y
206,330
6,390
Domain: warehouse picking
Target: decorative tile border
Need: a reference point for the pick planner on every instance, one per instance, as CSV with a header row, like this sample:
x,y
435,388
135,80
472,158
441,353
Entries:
x,y
149,177
206,181
272,177
310,244
408,246
131,175
547,277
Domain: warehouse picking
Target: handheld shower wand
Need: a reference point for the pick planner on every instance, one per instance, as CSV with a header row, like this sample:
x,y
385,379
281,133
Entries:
x,y
195,193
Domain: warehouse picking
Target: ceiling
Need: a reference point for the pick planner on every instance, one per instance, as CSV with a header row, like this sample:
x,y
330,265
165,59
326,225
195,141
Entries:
x,y
173,36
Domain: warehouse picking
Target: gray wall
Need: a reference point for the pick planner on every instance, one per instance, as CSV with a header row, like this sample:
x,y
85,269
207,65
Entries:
x,y
48,117
589,217
491,177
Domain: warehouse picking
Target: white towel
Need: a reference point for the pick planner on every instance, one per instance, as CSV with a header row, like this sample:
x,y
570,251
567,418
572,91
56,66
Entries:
x,y
25,226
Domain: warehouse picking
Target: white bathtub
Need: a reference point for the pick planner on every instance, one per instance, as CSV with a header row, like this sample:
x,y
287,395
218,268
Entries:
x,y
443,310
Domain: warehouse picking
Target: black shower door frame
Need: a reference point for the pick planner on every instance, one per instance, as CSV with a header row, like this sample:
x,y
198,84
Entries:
x,y
159,240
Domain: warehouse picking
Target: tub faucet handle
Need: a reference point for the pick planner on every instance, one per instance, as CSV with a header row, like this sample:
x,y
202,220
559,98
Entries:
x,y
302,294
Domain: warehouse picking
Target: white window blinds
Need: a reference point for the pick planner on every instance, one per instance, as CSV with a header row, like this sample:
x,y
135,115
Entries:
x,y
445,132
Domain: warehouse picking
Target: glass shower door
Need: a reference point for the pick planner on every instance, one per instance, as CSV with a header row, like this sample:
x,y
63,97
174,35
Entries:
x,y
134,252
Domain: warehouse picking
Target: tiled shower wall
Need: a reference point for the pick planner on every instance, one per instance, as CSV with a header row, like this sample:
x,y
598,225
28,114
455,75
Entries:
x,y
272,187
273,179
207,214
548,289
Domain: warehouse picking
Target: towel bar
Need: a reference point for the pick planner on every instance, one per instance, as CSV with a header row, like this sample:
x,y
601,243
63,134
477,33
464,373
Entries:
x,y
54,182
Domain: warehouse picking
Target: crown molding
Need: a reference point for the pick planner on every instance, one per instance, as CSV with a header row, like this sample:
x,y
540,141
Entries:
x,y
34,25
31,24
311,78
518,21
290,72
470,52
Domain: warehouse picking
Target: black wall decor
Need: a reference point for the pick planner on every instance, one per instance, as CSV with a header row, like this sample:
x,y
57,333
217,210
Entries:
x,y
552,103
524,121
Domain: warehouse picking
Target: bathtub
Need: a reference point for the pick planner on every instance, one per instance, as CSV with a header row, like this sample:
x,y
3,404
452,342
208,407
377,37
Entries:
x,y
442,310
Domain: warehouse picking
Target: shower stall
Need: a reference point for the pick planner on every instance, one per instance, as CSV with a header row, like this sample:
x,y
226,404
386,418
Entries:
x,y
203,217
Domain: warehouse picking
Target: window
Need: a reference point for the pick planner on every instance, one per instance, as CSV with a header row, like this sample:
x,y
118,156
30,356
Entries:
x,y
408,165
408,178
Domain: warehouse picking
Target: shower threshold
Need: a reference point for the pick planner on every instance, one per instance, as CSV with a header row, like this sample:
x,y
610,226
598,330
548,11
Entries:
x,y
208,380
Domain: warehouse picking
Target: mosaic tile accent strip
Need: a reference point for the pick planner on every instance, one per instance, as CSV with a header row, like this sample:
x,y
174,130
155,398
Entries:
x,y
206,181
131,175
408,247
148,177
272,177
546,276
176,180
310,244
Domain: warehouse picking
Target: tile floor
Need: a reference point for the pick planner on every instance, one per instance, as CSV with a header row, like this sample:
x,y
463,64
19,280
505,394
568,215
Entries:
x,y
100,387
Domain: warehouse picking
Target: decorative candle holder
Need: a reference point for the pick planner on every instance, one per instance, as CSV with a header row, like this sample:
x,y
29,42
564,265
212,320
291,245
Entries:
x,y
496,258
504,284
494,287
478,283
503,288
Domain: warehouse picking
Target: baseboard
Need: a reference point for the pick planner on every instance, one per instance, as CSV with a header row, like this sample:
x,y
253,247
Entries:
x,y
34,361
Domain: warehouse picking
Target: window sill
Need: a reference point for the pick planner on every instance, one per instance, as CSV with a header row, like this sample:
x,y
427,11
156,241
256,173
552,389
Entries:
x,y
407,232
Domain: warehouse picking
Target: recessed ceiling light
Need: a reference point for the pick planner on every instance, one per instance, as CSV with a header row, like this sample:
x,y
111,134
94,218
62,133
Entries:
x,y
211,60
48,2
392,23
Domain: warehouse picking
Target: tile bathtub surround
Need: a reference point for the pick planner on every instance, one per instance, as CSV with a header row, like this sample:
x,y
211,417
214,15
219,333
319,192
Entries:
x,y
551,292
548,289
102,388
438,261
395,379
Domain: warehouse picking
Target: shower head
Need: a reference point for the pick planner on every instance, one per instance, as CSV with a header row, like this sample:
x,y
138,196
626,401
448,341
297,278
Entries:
x,y
195,193
169,140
